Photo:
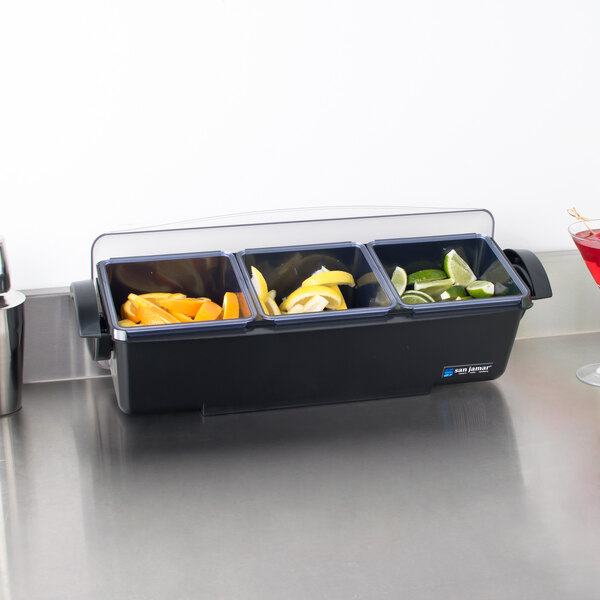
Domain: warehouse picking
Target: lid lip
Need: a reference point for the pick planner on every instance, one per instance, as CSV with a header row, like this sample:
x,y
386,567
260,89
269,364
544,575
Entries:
x,y
429,238
299,247
162,257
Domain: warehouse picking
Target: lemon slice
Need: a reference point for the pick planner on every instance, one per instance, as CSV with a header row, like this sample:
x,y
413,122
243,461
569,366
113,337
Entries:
x,y
329,278
334,296
315,304
297,308
343,305
271,306
259,283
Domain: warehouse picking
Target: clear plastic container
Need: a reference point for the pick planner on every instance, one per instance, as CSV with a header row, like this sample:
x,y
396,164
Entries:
x,y
207,274
285,268
480,252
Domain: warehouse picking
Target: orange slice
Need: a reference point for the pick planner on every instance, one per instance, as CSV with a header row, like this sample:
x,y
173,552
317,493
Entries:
x,y
153,315
185,306
231,306
181,317
209,311
149,313
128,312
127,323
244,310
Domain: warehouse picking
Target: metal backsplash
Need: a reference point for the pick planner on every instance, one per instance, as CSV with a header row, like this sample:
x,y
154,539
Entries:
x,y
53,350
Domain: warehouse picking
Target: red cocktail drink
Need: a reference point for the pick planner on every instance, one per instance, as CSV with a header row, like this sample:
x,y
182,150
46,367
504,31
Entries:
x,y
588,243
586,235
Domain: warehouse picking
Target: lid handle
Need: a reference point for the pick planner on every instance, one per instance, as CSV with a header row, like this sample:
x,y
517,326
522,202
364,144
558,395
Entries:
x,y
4,276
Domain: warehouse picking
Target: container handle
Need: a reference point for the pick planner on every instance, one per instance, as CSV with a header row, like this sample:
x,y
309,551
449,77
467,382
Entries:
x,y
531,270
92,325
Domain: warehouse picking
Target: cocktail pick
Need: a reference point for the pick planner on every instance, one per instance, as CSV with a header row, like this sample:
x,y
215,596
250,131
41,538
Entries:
x,y
573,212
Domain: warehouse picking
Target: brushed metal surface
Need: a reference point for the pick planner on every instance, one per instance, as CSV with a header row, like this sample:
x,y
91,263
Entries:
x,y
481,490
53,349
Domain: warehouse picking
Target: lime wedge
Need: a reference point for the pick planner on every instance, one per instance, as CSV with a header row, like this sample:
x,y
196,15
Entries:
x,y
399,280
457,269
433,288
453,293
481,289
426,275
413,297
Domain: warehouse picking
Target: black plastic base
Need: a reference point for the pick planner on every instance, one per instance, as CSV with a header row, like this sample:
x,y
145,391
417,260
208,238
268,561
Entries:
x,y
264,368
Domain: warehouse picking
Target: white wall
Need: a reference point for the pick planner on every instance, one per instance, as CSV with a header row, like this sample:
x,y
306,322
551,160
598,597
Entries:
x,y
128,112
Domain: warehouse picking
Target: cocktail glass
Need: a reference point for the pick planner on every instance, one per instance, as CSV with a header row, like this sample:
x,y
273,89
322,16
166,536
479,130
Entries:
x,y
586,235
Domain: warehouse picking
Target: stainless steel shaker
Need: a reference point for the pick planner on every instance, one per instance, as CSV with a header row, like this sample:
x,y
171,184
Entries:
x,y
11,340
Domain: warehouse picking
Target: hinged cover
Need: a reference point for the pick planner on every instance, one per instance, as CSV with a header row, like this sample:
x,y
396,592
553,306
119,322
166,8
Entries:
x,y
232,233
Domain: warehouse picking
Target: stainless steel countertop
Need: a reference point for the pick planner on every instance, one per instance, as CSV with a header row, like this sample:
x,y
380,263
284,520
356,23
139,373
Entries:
x,y
484,490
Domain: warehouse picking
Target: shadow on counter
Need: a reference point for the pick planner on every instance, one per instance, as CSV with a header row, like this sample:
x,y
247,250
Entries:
x,y
458,416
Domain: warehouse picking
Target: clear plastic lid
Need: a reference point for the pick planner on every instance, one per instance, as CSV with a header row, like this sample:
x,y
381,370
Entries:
x,y
236,232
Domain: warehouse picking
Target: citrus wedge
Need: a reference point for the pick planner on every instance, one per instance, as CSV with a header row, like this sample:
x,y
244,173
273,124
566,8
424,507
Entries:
x,y
209,311
231,306
453,293
154,315
271,306
182,318
127,323
244,310
334,296
413,297
457,269
426,275
433,288
128,312
185,306
297,308
150,313
399,280
329,278
481,289
259,284
315,304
